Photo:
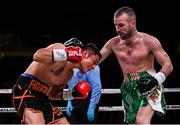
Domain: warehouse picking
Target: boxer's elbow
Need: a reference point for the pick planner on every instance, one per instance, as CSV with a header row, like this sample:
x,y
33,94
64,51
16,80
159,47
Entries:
x,y
170,67
37,55
54,93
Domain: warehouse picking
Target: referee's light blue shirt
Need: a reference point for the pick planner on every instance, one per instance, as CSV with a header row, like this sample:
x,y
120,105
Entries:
x,y
93,78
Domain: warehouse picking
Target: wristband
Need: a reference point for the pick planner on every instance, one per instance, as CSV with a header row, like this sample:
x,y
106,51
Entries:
x,y
67,95
160,77
59,55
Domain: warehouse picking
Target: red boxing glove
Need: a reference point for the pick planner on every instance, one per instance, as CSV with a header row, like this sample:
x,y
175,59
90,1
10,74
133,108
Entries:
x,y
74,54
81,90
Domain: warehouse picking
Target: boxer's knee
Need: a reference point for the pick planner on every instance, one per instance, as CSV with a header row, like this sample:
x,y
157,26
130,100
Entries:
x,y
142,120
62,121
33,117
144,115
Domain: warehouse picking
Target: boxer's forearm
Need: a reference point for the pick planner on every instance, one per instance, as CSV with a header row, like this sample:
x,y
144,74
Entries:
x,y
167,68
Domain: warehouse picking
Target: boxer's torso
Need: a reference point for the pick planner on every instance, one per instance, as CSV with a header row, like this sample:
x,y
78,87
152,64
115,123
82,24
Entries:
x,y
53,74
133,56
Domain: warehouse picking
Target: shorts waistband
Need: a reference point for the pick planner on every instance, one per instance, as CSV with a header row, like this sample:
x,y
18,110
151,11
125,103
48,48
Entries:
x,y
35,84
137,76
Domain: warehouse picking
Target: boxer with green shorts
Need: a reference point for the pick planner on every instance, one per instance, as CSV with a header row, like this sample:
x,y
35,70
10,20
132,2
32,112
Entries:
x,y
136,53
132,97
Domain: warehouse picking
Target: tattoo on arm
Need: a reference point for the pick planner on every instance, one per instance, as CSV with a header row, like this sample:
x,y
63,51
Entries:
x,y
165,54
155,48
159,47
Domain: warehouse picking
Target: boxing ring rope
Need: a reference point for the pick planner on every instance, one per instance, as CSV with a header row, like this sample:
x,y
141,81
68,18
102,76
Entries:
x,y
101,108
104,91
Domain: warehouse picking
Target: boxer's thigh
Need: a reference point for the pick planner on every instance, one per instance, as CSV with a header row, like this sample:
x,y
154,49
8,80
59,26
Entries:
x,y
31,116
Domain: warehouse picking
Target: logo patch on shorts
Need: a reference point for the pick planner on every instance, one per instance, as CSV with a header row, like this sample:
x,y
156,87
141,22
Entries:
x,y
155,94
134,76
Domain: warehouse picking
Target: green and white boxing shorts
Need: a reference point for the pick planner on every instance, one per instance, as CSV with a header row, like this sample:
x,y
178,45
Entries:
x,y
133,100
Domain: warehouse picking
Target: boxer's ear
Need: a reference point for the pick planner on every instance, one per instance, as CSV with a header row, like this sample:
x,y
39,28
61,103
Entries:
x,y
85,54
133,23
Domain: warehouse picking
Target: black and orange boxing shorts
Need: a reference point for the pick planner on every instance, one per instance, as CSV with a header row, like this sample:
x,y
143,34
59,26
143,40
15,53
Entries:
x,y
30,92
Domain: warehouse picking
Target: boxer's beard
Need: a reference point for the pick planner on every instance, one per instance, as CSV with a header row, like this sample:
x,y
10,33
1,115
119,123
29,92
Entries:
x,y
126,36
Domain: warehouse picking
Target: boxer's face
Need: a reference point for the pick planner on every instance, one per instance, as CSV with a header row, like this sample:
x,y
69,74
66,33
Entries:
x,y
89,62
124,26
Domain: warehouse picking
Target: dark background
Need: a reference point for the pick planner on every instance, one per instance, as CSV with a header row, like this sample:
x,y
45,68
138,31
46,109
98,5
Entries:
x,y
27,26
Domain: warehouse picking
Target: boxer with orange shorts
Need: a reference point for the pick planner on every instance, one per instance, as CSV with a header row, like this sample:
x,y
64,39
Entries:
x,y
45,78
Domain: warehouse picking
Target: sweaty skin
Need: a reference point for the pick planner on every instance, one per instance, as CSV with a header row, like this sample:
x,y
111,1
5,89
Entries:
x,y
137,54
54,74
57,74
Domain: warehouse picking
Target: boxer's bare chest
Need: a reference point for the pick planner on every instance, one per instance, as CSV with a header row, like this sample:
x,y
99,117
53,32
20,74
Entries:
x,y
131,52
